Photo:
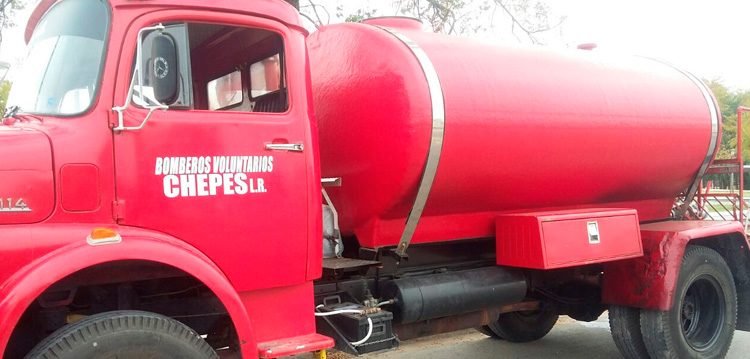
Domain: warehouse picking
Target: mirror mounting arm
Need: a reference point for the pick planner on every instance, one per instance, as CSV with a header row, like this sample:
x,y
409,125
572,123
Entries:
x,y
121,127
137,75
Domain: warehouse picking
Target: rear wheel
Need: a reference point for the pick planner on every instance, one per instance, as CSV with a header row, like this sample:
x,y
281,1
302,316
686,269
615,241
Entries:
x,y
525,326
485,329
124,335
702,320
625,326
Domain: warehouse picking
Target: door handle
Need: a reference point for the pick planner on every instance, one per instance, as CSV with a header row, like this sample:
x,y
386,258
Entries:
x,y
292,147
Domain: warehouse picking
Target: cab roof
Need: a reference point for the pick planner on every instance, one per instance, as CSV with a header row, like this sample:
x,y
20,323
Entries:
x,y
278,10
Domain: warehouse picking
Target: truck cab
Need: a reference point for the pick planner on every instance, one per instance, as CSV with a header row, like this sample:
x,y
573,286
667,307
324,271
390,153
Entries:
x,y
123,116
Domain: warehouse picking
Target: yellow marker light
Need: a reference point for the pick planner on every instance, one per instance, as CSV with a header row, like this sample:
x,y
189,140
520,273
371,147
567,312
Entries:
x,y
102,236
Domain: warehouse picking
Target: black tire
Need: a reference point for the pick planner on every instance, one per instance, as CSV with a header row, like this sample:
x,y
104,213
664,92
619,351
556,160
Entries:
x,y
625,326
527,326
123,334
703,317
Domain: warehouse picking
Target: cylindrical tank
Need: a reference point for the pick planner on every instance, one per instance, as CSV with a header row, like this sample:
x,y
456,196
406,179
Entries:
x,y
526,129
433,296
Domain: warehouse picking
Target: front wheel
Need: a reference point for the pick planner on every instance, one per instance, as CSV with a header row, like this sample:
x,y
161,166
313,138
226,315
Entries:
x,y
702,320
124,335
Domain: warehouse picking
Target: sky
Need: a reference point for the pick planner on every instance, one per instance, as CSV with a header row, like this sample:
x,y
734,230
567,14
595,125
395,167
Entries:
x,y
710,38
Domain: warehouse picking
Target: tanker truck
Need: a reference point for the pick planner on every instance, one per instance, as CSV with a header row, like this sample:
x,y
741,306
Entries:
x,y
189,179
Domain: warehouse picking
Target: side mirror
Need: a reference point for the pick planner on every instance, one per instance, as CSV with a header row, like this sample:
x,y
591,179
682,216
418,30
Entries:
x,y
137,80
163,68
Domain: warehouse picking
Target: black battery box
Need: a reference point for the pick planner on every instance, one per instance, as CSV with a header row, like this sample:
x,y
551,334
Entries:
x,y
353,327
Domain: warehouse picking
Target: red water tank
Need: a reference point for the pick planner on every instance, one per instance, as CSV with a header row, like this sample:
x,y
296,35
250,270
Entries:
x,y
525,129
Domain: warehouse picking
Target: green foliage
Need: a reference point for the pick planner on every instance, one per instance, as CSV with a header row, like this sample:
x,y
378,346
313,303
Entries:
x,y
358,16
728,101
4,90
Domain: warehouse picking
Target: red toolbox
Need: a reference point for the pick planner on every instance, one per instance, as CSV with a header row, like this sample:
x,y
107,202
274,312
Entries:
x,y
559,239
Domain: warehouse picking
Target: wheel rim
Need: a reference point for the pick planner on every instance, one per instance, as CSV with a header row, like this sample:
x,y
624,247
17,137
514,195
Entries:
x,y
702,313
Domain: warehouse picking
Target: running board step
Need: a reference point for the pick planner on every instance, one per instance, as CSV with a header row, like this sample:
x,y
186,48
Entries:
x,y
295,345
338,265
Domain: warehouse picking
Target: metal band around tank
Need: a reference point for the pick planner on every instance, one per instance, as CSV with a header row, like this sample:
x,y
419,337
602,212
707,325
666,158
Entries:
x,y
436,140
693,189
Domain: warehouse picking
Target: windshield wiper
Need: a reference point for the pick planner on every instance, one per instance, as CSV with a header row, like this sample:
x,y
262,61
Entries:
x,y
14,113
11,112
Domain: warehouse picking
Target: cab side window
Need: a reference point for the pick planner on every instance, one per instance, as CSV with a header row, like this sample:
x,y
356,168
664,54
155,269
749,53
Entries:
x,y
224,68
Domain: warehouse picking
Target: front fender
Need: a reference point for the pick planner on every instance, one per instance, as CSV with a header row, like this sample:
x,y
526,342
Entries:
x,y
24,286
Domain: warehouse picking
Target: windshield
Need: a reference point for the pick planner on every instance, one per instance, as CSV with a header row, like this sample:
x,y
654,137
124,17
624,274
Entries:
x,y
60,75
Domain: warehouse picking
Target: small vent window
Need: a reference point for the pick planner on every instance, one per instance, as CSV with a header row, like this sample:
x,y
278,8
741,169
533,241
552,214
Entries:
x,y
225,92
265,76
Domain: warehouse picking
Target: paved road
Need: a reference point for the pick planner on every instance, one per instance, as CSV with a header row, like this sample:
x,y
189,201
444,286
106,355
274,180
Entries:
x,y
568,340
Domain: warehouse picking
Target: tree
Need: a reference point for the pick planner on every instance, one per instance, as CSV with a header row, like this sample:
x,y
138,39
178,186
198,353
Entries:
x,y
532,18
7,10
294,3
446,16
525,19
314,12
4,91
358,16
728,101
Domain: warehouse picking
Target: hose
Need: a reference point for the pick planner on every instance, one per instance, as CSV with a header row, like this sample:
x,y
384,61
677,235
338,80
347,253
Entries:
x,y
387,302
348,311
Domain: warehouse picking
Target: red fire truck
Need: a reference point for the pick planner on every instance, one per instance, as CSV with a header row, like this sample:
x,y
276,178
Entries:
x,y
196,179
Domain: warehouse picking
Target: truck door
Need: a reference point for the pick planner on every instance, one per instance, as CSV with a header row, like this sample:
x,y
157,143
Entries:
x,y
225,168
